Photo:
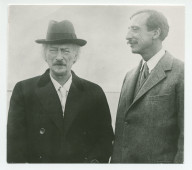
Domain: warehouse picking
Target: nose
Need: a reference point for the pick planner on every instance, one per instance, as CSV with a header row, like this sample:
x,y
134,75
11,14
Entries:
x,y
129,35
59,56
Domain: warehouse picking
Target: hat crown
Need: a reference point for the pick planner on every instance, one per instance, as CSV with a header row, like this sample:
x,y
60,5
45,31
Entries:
x,y
60,27
58,30
60,33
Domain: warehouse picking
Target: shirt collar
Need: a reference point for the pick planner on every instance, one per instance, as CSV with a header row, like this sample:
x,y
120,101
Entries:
x,y
66,86
152,62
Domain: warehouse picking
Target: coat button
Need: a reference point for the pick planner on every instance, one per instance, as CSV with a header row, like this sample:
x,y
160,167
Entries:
x,y
42,131
84,133
86,160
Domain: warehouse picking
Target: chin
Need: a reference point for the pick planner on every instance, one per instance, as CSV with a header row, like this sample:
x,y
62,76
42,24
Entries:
x,y
59,72
135,51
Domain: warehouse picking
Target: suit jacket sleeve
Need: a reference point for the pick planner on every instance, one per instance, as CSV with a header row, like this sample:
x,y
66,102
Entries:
x,y
102,149
16,128
180,114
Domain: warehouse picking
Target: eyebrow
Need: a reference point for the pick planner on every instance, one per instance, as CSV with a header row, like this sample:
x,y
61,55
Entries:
x,y
66,48
53,47
62,48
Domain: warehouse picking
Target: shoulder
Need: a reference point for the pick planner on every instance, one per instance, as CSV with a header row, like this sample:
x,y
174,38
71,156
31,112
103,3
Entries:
x,y
87,86
177,64
174,69
23,88
28,82
132,73
177,67
26,86
178,71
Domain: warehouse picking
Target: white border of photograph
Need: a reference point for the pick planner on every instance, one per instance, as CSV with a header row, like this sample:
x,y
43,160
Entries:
x,y
3,86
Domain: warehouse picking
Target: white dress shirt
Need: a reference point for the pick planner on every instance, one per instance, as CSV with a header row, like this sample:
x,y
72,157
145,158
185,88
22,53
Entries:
x,y
152,62
62,91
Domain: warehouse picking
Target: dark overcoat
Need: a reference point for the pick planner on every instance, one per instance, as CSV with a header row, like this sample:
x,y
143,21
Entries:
x,y
37,132
150,127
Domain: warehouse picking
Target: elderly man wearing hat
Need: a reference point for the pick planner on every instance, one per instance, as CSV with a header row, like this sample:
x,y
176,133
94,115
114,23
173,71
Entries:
x,y
58,117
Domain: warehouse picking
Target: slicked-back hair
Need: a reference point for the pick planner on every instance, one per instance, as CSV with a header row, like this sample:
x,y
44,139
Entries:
x,y
155,20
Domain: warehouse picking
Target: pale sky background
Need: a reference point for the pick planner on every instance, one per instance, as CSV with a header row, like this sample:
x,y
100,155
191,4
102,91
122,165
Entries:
x,y
104,60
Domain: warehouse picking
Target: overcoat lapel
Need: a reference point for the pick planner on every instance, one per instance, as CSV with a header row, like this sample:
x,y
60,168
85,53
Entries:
x,y
49,99
156,76
74,103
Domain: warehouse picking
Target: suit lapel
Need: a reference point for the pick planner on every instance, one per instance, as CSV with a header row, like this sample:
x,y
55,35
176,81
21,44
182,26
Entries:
x,y
131,85
49,99
74,102
156,76
128,89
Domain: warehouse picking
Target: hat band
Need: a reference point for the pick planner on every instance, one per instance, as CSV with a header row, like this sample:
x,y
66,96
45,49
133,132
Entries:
x,y
58,36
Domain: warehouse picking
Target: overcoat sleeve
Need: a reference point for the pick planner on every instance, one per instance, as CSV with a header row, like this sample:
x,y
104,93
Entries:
x,y
180,114
16,127
101,122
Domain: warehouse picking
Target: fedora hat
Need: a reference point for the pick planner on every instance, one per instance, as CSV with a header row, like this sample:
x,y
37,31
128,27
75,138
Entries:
x,y
61,33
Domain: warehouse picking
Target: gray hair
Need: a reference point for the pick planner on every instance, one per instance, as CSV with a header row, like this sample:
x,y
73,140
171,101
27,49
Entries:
x,y
154,21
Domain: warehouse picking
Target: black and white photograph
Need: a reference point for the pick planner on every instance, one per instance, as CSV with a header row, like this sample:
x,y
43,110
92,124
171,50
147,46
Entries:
x,y
102,85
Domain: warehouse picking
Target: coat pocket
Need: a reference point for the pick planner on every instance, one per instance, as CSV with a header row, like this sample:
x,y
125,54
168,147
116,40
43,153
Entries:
x,y
161,109
159,97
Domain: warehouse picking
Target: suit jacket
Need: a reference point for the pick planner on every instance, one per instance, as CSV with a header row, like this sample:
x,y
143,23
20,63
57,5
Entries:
x,y
37,132
149,127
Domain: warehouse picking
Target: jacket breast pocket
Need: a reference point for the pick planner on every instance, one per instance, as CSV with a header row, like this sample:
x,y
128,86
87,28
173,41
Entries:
x,y
164,97
160,109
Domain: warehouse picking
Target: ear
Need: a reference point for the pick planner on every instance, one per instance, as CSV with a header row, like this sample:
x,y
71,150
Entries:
x,y
157,33
45,58
75,59
44,53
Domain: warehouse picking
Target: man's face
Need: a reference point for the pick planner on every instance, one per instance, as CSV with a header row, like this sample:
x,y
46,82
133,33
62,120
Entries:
x,y
139,38
60,59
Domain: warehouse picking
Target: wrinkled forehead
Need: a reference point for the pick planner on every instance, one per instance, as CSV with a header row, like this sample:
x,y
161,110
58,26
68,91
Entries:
x,y
139,20
62,46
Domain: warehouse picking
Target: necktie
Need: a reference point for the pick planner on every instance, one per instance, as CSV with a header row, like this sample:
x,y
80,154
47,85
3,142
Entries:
x,y
144,74
63,94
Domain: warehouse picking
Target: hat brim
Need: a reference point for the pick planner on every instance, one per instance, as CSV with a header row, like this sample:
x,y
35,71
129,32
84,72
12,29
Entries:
x,y
79,42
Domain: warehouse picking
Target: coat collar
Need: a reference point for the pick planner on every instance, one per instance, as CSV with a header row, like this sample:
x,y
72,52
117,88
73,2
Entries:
x,y
45,79
51,103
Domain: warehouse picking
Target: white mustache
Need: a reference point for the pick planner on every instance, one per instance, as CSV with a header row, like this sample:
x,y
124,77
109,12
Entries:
x,y
59,64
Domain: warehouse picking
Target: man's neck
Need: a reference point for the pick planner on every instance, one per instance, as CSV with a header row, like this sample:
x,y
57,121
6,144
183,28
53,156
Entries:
x,y
61,79
150,53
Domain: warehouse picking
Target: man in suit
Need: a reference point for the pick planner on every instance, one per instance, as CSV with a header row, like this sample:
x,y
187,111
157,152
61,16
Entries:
x,y
149,122
58,117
